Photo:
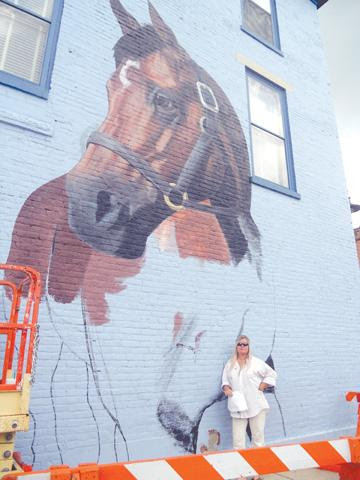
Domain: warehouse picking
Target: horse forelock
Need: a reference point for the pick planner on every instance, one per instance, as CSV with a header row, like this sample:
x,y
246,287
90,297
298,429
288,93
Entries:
x,y
137,44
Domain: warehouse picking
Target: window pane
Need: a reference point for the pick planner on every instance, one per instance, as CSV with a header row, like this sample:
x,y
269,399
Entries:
x,y
258,21
265,106
264,4
269,157
22,43
43,8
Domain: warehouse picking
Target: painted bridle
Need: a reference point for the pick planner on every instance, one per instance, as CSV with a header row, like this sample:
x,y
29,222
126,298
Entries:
x,y
175,195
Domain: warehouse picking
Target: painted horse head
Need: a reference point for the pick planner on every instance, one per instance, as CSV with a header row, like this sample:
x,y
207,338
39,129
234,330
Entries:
x,y
170,156
171,142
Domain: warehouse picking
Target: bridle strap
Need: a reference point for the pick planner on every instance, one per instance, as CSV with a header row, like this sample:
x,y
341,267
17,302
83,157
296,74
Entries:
x,y
145,169
133,158
200,150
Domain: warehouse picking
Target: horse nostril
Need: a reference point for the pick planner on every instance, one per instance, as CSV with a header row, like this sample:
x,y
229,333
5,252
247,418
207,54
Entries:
x,y
103,204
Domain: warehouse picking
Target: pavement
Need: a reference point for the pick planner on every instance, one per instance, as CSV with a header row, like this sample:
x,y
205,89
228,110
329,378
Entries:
x,y
308,474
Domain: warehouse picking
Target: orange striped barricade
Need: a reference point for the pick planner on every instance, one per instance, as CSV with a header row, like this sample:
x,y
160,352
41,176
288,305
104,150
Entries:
x,y
216,465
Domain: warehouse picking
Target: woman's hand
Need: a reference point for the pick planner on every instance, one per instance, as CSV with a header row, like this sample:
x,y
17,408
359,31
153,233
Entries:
x,y
228,391
263,386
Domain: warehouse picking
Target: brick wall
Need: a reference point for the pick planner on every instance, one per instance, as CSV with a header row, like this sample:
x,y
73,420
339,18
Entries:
x,y
143,379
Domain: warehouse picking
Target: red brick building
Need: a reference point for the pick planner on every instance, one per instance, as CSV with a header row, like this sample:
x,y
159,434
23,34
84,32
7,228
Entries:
x,y
357,240
356,208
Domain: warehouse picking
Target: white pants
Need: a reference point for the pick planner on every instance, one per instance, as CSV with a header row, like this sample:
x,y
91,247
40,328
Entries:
x,y
257,427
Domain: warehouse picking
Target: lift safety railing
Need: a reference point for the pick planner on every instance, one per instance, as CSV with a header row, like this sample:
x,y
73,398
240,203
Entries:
x,y
20,326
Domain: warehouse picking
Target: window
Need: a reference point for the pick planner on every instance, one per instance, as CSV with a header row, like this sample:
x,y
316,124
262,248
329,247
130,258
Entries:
x,y
260,21
270,135
28,35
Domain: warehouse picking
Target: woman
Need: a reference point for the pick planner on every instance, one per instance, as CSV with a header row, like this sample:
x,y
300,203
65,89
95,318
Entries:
x,y
250,376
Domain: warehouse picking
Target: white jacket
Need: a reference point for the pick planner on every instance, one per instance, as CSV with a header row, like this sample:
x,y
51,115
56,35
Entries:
x,y
247,380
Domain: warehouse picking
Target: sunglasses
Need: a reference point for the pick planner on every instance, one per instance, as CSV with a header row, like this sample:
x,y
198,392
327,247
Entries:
x,y
242,344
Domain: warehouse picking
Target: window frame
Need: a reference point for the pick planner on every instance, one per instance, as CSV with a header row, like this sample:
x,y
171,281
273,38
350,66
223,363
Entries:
x,y
291,190
276,46
42,88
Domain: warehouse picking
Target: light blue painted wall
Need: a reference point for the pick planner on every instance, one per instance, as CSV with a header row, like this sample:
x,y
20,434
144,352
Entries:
x,y
307,300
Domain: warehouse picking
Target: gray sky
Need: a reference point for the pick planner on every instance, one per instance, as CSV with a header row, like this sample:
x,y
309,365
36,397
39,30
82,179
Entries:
x,y
340,26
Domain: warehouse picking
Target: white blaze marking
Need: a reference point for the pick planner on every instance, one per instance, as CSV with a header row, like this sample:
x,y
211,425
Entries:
x,y
123,72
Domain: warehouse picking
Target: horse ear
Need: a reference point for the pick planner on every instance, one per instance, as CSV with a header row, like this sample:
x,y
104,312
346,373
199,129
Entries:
x,y
126,21
165,33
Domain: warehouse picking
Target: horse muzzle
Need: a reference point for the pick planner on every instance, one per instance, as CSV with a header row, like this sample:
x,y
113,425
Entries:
x,y
115,221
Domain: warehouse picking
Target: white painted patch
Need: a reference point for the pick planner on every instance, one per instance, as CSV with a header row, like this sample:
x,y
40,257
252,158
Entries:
x,y
294,457
38,476
230,465
123,72
153,470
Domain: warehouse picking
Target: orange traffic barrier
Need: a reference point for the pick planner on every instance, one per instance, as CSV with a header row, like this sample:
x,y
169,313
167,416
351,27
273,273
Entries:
x,y
219,465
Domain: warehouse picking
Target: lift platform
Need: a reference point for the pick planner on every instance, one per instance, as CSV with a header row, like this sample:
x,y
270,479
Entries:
x,y
18,330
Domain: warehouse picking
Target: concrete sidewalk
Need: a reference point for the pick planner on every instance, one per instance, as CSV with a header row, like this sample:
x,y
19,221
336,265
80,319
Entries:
x,y
308,474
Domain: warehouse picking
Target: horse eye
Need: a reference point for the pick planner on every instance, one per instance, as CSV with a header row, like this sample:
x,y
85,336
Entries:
x,y
164,104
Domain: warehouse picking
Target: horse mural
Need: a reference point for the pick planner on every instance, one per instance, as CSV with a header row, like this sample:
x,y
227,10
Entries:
x,y
170,163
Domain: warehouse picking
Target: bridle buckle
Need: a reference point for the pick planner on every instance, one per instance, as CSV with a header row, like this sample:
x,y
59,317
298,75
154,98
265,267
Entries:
x,y
171,204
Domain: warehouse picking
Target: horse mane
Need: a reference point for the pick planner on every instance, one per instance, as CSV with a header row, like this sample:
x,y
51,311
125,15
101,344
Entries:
x,y
241,233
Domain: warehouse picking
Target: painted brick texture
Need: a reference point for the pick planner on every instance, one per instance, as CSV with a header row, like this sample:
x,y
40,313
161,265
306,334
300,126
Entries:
x,y
131,350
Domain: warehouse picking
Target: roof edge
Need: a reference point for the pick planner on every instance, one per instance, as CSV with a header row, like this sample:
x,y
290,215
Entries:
x,y
319,3
354,207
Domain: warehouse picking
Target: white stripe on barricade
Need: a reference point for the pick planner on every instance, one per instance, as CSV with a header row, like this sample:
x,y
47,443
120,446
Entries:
x,y
342,447
294,457
158,469
229,464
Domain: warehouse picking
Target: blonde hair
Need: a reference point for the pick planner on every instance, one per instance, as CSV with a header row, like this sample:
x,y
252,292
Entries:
x,y
234,356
